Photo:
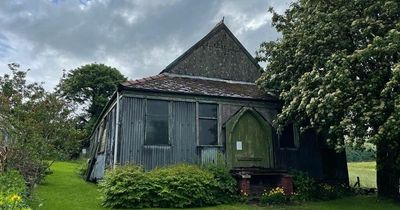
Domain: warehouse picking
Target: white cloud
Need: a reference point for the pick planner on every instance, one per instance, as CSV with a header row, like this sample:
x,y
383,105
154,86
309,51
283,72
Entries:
x,y
139,37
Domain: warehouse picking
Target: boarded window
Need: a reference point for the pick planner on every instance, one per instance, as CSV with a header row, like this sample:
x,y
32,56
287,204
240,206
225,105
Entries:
x,y
157,122
103,138
289,137
208,124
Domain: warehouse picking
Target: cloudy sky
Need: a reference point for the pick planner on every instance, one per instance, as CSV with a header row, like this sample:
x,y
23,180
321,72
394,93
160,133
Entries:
x,y
138,37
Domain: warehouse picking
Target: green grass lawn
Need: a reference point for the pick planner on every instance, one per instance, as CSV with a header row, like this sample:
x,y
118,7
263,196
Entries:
x,y
65,190
365,170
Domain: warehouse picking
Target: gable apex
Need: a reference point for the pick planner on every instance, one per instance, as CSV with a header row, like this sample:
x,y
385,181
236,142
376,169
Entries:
x,y
219,54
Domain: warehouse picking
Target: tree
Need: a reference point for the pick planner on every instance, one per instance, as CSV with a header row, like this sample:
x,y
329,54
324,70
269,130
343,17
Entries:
x,y
38,123
337,69
90,85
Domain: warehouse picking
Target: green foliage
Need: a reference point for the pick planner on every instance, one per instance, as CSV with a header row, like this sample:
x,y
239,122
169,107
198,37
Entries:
x,y
307,189
11,182
175,186
337,69
327,191
226,190
304,186
183,185
274,196
38,124
13,191
126,187
90,85
82,168
355,155
64,190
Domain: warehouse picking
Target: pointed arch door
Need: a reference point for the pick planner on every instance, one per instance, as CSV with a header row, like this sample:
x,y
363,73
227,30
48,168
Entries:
x,y
249,140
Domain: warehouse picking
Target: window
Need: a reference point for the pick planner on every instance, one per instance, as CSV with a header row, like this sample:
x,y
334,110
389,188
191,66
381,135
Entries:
x,y
208,124
157,122
289,137
103,137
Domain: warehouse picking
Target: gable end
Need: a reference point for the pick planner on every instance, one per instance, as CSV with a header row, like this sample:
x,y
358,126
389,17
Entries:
x,y
218,55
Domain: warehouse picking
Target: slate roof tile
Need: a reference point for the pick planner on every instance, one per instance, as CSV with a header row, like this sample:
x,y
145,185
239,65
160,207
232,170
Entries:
x,y
173,83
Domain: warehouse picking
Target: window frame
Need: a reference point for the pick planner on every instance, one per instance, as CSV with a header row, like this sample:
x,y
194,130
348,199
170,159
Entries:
x,y
296,138
199,118
102,137
168,115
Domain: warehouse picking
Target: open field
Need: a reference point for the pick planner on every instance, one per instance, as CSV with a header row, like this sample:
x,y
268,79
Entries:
x,y
365,170
65,190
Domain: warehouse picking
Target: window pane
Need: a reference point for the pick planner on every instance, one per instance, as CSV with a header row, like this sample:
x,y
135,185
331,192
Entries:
x,y
208,110
157,107
287,137
157,130
208,132
103,141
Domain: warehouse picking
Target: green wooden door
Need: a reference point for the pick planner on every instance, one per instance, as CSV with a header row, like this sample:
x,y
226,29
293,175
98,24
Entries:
x,y
249,140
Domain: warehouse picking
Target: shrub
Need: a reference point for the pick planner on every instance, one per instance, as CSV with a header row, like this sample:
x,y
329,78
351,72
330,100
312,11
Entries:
x,y
13,191
126,187
274,196
183,185
328,192
175,186
304,186
226,190
307,188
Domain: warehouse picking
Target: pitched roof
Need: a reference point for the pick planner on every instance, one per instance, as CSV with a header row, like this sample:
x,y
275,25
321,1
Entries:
x,y
181,84
220,26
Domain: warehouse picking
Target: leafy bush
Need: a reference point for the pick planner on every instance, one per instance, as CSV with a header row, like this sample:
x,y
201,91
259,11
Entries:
x,y
175,186
183,185
274,196
328,192
226,190
354,155
307,188
126,187
13,191
304,186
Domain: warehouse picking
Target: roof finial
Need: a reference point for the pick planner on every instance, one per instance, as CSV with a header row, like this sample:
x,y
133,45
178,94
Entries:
x,y
223,18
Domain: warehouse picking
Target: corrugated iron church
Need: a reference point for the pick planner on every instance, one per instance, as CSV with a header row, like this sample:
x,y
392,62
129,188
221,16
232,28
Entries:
x,y
204,106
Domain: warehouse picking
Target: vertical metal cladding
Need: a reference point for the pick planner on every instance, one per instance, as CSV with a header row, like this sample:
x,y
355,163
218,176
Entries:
x,y
111,127
182,135
183,132
209,155
103,160
131,136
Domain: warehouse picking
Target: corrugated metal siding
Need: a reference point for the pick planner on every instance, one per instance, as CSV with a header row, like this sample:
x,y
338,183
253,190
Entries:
x,y
104,160
182,129
99,167
183,132
209,155
110,137
131,137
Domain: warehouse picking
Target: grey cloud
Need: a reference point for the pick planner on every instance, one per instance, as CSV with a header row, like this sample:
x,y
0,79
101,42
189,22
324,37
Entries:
x,y
138,37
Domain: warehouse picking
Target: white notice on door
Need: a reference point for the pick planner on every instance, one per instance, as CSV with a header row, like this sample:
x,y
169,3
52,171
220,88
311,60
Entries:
x,y
239,145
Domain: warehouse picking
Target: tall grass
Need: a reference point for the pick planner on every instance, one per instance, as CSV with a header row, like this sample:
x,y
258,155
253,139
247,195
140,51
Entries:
x,y
365,170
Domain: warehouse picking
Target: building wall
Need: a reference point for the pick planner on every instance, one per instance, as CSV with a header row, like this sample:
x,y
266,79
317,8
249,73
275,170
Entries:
x,y
105,159
219,57
182,129
320,163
